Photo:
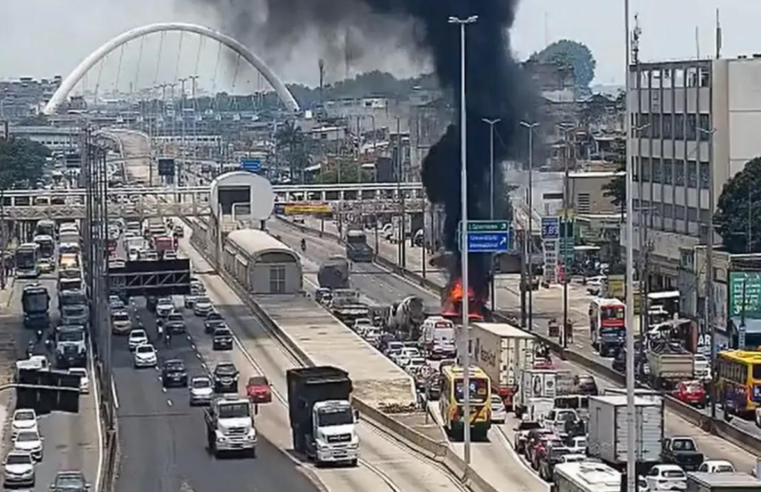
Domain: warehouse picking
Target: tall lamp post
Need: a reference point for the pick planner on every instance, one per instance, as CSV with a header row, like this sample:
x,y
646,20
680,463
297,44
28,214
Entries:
x,y
464,234
631,424
528,236
491,124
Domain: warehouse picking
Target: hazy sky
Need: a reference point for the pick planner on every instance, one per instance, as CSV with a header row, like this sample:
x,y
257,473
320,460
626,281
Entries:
x,y
41,38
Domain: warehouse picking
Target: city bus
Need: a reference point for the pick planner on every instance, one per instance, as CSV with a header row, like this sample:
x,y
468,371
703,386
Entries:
x,y
586,476
739,381
453,399
27,260
607,325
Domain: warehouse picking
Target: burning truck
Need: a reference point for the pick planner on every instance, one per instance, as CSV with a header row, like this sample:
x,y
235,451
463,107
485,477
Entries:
x,y
451,304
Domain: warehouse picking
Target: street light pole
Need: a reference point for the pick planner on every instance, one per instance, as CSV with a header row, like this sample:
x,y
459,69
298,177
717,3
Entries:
x,y
631,424
710,324
464,236
491,124
528,236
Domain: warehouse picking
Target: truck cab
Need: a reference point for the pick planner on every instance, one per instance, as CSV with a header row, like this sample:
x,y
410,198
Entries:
x,y
356,246
323,422
73,306
70,346
230,426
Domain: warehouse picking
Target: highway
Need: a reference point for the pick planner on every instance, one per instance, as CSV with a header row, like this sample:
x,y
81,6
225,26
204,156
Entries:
x,y
494,460
71,441
386,464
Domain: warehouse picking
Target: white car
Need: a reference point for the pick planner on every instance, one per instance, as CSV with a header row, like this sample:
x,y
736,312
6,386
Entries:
x,y
24,419
18,470
29,442
717,466
414,365
202,306
137,338
145,356
201,390
84,381
164,306
115,303
361,324
406,354
594,284
121,322
666,477
578,445
498,410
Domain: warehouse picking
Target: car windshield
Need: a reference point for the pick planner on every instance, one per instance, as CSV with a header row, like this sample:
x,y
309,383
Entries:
x,y
203,300
19,459
145,349
120,317
222,333
528,425
558,452
25,415
673,474
724,469
335,417
74,482
213,316
165,303
234,411
175,317
138,335
693,386
225,369
27,437
174,365
201,383
683,445
71,336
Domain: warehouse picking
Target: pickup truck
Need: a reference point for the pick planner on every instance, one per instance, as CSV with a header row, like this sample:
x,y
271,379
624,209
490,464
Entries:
x,y
682,451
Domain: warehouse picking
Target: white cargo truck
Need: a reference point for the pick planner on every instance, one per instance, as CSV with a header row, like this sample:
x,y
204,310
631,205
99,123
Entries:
x,y
503,352
608,426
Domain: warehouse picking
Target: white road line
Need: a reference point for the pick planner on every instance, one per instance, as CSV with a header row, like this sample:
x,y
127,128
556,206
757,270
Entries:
x,y
113,393
169,402
99,425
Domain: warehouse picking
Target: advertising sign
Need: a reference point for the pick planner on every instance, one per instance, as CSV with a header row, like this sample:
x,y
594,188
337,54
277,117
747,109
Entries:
x,y
306,208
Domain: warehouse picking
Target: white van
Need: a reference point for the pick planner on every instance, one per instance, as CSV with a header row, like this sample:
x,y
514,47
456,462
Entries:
x,y
437,338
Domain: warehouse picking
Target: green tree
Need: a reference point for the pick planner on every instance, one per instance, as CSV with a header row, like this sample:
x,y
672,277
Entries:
x,y
571,54
738,207
615,189
295,149
21,160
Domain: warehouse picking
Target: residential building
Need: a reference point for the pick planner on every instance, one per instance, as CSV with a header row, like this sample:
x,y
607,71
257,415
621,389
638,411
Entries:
x,y
673,109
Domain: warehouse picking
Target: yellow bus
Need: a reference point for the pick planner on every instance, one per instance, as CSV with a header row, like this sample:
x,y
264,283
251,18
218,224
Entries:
x,y
452,401
739,381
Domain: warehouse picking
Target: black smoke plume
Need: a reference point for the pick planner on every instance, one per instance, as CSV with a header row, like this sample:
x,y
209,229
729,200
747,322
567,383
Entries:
x,y
494,84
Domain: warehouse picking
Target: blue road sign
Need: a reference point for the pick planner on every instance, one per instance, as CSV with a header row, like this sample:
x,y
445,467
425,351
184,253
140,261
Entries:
x,y
488,242
252,165
550,227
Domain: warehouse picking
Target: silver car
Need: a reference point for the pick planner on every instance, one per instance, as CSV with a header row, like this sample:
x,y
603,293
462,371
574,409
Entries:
x,y
201,390
19,470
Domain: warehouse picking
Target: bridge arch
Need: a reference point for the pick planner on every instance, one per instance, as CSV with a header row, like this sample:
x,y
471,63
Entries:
x,y
76,75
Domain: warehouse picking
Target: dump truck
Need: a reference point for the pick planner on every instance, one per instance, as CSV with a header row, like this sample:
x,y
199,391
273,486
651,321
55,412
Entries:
x,y
669,363
323,423
230,425
356,246
334,273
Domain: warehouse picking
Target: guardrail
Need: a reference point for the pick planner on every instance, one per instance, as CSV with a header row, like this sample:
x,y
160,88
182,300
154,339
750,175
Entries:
x,y
718,427
440,452
110,444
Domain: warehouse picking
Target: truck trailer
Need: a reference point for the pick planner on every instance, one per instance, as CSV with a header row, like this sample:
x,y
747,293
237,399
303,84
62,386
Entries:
x,y
323,422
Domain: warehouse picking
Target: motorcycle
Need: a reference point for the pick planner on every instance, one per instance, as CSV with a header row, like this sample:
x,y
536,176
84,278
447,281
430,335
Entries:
x,y
303,245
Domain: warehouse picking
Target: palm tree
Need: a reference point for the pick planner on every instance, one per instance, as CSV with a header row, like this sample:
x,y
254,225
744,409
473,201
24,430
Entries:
x,y
290,138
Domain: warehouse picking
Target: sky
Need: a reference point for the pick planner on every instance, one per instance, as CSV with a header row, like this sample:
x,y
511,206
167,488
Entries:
x,y
42,38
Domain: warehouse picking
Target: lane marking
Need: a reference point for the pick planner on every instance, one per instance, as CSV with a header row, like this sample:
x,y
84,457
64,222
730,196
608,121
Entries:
x,y
169,402
113,393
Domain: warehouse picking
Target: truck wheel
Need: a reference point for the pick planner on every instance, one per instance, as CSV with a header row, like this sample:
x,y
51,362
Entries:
x,y
354,463
253,453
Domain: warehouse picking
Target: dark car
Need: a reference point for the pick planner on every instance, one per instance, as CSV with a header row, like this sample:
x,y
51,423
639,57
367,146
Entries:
x,y
585,384
151,302
175,323
173,373
225,378
69,481
213,321
222,339
552,457
522,432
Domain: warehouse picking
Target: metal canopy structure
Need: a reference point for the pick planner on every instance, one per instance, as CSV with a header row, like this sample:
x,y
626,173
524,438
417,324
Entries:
x,y
151,278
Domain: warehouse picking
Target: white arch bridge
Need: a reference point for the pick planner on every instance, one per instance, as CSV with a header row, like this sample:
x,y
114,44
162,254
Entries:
x,y
85,65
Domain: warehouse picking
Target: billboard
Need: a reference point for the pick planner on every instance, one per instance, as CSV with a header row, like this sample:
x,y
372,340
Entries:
x,y
745,295
306,208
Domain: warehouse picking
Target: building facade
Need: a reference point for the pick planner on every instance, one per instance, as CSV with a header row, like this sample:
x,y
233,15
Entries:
x,y
680,112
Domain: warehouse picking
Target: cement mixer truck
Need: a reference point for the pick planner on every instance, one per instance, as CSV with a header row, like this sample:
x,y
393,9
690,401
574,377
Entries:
x,y
405,317
334,273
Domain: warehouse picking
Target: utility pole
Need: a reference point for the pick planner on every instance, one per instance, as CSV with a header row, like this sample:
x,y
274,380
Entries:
x,y
193,84
182,132
3,259
710,324
528,236
491,124
465,351
566,206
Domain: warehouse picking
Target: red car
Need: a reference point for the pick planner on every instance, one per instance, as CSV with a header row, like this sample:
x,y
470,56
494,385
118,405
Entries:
x,y
691,393
258,390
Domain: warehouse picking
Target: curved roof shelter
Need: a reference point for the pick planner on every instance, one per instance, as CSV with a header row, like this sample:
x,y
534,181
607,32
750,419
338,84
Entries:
x,y
261,247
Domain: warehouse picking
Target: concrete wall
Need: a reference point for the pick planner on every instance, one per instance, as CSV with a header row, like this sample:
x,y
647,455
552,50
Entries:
x,y
589,187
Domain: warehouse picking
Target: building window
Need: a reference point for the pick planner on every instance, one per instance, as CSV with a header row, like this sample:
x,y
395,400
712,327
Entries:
x,y
645,170
668,211
643,129
277,279
667,129
679,127
583,203
704,215
692,214
635,170
692,174
705,77
655,126
692,128
679,212
705,127
668,169
704,170
679,177
656,170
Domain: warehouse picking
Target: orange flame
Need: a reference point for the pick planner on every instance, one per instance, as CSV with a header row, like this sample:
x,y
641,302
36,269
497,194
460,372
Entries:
x,y
452,303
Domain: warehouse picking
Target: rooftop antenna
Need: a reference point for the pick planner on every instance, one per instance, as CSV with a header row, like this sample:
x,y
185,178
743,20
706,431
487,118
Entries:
x,y
636,34
697,41
321,66
718,35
